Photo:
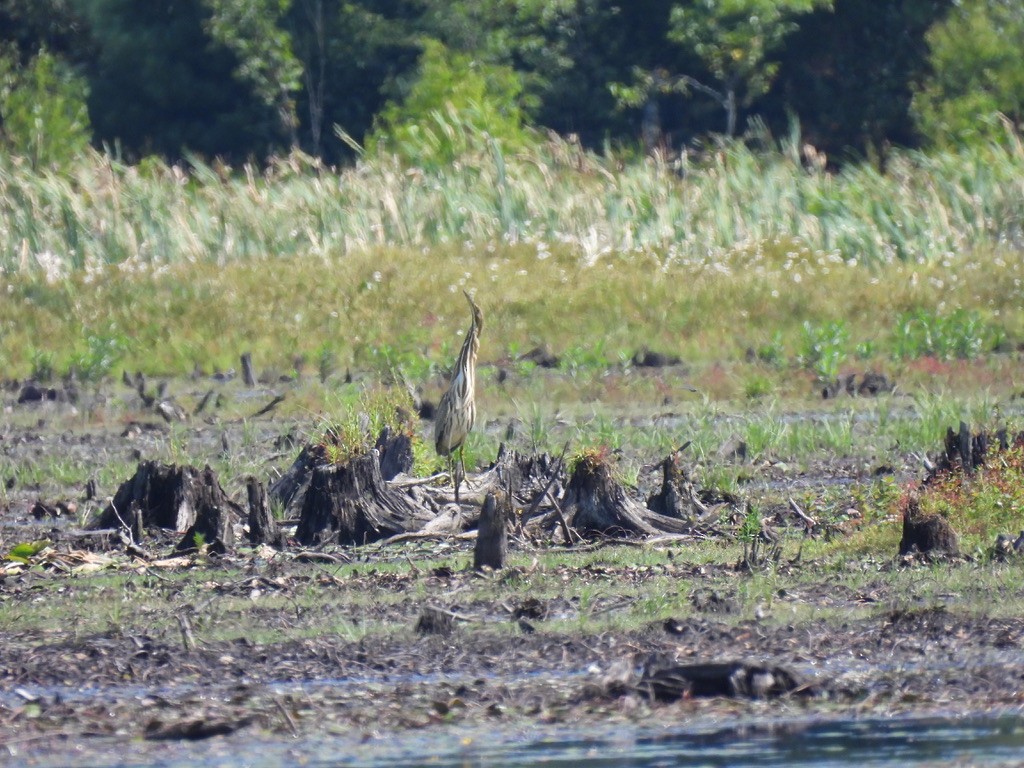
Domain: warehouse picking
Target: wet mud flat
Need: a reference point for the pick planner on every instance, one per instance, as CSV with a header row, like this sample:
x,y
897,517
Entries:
x,y
105,648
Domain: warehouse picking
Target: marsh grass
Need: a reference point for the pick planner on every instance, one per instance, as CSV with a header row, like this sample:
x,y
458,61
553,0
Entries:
x,y
163,269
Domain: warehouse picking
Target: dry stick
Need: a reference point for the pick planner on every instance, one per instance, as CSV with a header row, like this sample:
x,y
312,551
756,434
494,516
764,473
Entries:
x,y
414,481
187,638
808,520
567,532
287,717
551,481
269,406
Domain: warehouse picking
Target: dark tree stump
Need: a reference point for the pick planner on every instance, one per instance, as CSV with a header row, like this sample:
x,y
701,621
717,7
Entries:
x,y
262,526
179,498
215,516
434,621
353,501
248,376
594,503
673,500
492,535
926,533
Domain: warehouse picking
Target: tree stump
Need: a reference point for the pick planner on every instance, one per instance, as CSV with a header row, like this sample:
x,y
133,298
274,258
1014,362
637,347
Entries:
x,y
215,517
163,493
262,526
395,454
492,535
673,500
926,533
353,501
594,503
178,498
289,490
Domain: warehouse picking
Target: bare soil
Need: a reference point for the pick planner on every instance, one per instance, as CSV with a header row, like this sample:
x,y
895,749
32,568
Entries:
x,y
161,670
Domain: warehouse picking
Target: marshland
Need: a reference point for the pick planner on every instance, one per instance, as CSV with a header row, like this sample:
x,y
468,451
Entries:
x,y
801,372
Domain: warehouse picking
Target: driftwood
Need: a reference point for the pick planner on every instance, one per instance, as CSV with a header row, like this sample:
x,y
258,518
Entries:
x,y
668,682
353,503
492,537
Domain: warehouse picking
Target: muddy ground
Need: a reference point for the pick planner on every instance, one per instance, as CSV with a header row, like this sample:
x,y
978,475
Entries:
x,y
166,668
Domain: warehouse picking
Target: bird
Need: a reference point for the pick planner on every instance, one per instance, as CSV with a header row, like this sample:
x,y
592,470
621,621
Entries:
x,y
457,410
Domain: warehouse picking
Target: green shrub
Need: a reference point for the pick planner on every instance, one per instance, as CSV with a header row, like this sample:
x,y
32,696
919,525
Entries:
x,y
43,110
457,106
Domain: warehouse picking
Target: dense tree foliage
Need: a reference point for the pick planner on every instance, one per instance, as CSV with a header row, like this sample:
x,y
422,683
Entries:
x,y
978,72
248,78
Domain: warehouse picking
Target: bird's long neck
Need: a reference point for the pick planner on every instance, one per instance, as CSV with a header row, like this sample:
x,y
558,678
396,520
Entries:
x,y
465,366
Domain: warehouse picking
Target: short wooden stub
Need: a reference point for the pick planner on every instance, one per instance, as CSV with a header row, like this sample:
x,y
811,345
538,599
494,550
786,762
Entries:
x,y
492,535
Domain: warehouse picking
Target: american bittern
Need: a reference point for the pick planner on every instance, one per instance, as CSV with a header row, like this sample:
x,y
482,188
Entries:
x,y
457,410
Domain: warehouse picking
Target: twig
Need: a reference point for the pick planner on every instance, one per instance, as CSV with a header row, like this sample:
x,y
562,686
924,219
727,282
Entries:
x,y
808,520
287,716
269,406
187,638
551,481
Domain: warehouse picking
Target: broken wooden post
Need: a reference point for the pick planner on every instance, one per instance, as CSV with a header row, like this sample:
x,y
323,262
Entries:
x,y
492,534
247,375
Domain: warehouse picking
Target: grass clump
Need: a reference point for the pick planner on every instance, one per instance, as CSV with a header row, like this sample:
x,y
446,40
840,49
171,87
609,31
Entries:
x,y
982,504
353,427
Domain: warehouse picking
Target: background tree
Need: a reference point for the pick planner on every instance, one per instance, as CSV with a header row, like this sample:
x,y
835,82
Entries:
x,y
355,56
43,115
160,84
455,106
252,30
977,72
735,39
848,75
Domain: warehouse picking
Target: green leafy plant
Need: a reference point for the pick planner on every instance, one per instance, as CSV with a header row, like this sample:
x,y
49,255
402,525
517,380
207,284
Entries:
x,y
823,348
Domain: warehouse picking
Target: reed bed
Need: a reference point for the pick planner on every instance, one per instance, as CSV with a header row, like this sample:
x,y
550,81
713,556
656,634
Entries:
x,y
701,210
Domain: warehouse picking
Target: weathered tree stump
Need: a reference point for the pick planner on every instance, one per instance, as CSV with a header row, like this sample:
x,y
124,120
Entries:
x,y
178,498
673,500
215,517
926,533
353,502
395,453
595,503
492,533
289,490
262,526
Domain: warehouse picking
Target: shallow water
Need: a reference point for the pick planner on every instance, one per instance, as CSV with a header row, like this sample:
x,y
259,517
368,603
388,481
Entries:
x,y
946,740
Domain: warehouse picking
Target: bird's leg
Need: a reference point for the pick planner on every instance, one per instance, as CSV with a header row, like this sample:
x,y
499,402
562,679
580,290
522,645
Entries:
x,y
456,477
